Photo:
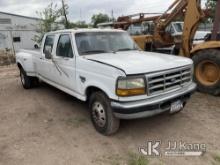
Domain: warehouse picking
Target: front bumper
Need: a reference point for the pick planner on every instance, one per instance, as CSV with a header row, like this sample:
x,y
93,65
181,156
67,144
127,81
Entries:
x,y
151,106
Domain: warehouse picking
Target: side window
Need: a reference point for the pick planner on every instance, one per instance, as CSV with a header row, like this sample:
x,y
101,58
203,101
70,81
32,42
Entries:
x,y
49,42
64,47
16,39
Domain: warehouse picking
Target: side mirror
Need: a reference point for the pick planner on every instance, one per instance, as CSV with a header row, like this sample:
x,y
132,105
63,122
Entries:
x,y
47,52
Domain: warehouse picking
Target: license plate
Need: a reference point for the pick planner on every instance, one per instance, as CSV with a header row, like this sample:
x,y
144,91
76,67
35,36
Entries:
x,y
176,106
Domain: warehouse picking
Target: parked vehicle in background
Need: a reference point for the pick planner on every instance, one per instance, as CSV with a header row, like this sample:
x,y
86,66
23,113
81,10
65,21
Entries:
x,y
175,29
36,45
107,69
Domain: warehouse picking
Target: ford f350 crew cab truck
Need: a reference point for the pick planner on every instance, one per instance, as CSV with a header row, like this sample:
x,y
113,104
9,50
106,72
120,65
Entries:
x,y
107,69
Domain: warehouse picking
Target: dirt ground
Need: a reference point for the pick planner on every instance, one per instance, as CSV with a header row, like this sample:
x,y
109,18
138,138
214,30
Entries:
x,y
44,126
6,58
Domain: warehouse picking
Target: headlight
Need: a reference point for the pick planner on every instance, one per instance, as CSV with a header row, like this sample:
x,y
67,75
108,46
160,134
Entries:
x,y
130,86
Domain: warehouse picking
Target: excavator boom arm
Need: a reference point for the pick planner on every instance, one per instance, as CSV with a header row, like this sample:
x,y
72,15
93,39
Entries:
x,y
191,9
193,17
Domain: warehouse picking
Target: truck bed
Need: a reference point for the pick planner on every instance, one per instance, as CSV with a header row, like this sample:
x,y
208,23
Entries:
x,y
31,51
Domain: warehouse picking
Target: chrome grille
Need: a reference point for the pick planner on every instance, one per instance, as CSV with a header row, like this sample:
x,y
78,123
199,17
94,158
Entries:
x,y
165,81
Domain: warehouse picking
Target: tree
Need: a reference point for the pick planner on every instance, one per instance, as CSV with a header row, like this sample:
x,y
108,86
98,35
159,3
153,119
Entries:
x,y
48,21
99,18
211,6
79,24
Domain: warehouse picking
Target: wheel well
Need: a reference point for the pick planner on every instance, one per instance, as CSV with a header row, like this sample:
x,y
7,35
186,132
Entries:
x,y
19,65
200,50
90,90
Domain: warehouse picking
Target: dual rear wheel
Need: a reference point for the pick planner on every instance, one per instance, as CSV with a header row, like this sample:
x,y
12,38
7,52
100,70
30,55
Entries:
x,y
28,81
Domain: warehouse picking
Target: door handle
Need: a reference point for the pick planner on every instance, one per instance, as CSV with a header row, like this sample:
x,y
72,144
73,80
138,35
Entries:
x,y
41,58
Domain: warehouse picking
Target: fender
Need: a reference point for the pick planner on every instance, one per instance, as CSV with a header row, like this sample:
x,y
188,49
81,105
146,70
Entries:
x,y
205,45
102,87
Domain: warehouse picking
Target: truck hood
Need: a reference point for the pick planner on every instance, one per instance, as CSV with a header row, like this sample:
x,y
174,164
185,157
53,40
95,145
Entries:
x,y
138,62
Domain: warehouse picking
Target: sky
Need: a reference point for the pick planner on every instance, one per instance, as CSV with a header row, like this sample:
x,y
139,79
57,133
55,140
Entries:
x,y
84,9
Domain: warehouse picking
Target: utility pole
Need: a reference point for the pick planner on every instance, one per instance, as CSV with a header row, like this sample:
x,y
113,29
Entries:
x,y
80,13
65,14
112,15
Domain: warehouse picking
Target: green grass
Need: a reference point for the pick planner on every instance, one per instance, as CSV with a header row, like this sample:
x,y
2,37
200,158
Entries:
x,y
114,159
135,159
217,158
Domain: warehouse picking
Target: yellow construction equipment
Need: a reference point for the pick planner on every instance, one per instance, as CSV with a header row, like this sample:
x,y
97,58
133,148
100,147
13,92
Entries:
x,y
206,56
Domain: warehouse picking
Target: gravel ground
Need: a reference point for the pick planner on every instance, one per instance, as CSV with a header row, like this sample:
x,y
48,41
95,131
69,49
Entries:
x,y
6,58
46,126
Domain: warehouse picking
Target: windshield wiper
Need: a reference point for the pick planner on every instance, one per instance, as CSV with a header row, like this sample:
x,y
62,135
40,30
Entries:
x,y
125,49
94,51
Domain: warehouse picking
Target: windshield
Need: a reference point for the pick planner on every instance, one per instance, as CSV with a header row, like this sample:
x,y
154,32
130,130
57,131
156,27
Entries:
x,y
179,27
103,42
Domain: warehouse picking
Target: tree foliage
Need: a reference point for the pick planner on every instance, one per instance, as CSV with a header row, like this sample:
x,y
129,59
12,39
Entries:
x,y
53,18
211,6
79,24
99,18
48,20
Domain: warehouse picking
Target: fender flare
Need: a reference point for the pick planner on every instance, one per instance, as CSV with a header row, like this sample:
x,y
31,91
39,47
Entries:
x,y
102,88
205,45
18,62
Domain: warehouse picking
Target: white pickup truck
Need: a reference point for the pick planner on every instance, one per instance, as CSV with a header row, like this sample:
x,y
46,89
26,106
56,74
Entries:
x,y
107,69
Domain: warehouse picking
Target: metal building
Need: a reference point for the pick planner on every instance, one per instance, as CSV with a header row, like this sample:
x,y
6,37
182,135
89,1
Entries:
x,y
17,32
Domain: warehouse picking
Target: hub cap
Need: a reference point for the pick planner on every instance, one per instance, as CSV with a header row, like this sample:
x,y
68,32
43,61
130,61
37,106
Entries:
x,y
98,114
208,73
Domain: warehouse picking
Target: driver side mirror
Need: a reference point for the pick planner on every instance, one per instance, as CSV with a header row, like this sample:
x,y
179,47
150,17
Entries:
x,y
47,52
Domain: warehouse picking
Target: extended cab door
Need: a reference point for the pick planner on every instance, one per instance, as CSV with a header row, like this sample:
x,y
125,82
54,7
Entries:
x,y
65,60
44,65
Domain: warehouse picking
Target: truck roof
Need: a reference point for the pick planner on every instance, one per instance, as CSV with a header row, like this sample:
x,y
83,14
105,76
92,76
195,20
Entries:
x,y
85,30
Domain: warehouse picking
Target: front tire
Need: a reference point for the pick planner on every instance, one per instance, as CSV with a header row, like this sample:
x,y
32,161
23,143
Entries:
x,y
102,115
207,71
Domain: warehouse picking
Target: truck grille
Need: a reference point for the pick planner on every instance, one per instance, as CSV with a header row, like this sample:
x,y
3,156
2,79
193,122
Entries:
x,y
169,80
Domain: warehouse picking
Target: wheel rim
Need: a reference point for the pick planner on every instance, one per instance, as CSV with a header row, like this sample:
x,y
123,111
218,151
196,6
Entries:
x,y
98,114
208,73
22,78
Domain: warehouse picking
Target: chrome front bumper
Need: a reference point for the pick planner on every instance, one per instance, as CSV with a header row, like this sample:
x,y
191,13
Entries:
x,y
151,106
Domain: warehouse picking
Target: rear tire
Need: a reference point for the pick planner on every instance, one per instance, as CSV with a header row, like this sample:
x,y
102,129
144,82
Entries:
x,y
35,82
207,71
102,115
27,81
